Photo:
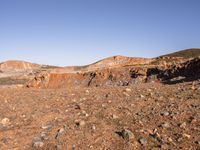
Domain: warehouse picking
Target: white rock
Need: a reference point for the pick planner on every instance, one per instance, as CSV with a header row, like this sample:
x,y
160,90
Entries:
x,y
5,121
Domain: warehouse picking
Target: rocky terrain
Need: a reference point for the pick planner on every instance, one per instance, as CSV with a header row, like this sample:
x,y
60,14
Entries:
x,y
119,103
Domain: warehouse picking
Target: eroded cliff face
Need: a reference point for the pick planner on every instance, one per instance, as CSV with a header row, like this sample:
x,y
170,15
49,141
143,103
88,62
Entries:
x,y
188,70
113,71
117,76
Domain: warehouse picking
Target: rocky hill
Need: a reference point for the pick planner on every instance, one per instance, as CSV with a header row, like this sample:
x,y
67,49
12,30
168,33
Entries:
x,y
14,72
112,71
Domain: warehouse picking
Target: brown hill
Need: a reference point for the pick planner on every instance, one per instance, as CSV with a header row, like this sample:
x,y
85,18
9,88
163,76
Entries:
x,y
110,62
119,61
13,65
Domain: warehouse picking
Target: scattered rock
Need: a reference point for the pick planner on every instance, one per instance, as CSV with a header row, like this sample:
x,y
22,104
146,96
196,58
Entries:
x,y
183,125
48,127
164,146
186,135
165,113
5,121
93,127
197,142
143,141
85,113
142,96
103,105
109,101
193,87
165,125
37,138
60,132
80,123
128,90
38,144
77,106
126,94
198,88
59,147
115,116
126,134
44,136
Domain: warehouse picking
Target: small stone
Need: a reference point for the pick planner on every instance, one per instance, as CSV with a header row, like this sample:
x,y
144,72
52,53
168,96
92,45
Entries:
x,y
109,101
77,106
5,121
183,125
85,113
46,126
165,125
186,136
170,139
36,139
93,127
114,116
179,139
165,113
128,90
193,87
38,144
80,123
103,105
60,132
197,142
126,94
142,96
143,141
59,147
164,146
198,88
127,134
44,136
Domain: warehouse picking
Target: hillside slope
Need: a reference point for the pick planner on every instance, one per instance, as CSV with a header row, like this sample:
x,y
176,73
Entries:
x,y
188,53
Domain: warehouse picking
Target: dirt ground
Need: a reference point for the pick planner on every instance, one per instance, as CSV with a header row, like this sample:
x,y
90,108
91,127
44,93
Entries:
x,y
144,116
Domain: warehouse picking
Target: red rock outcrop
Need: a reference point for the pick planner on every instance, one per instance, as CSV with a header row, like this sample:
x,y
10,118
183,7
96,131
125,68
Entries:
x,y
122,75
113,71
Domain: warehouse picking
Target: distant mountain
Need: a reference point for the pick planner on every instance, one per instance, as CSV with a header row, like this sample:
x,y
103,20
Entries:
x,y
188,53
15,65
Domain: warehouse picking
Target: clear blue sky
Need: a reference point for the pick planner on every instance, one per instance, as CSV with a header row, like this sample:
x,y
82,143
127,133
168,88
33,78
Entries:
x,y
78,32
